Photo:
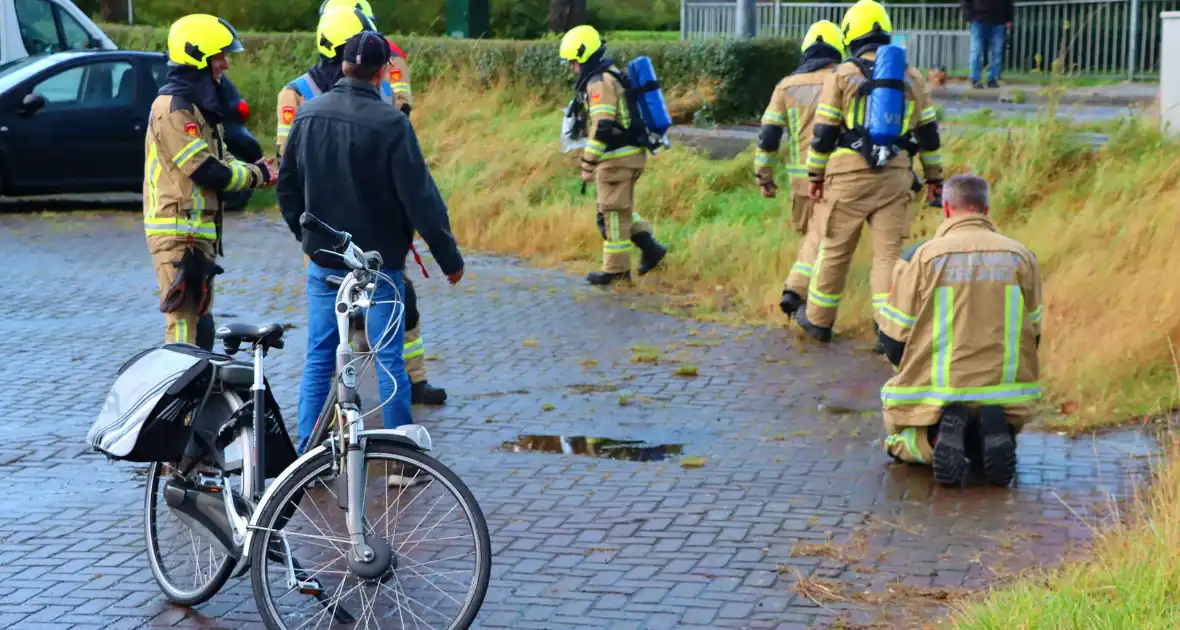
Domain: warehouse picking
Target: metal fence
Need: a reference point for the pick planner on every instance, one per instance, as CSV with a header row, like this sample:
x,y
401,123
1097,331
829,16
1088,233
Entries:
x,y
1088,36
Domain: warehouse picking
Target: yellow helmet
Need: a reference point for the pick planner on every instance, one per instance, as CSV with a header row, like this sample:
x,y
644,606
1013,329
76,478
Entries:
x,y
337,26
193,39
363,5
825,32
580,43
863,18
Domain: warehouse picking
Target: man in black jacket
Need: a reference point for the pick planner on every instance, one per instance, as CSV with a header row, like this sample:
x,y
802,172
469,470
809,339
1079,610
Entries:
x,y
353,161
990,21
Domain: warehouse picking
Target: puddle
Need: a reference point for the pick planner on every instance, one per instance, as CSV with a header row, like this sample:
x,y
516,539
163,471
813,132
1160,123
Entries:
x,y
601,448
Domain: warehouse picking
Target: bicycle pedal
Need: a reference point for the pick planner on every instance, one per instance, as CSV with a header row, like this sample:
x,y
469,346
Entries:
x,y
311,587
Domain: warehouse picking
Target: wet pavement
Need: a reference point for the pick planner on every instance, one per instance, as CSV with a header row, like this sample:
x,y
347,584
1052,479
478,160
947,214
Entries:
x,y
637,471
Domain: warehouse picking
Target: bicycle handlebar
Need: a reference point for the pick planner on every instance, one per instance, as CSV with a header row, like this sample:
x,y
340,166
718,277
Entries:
x,y
313,224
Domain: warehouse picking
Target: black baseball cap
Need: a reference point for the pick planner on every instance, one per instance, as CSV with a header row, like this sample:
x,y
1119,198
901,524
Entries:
x,y
368,49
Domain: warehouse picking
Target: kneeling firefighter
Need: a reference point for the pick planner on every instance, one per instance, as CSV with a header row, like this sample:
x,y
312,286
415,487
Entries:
x,y
613,157
962,324
792,109
873,115
339,21
187,168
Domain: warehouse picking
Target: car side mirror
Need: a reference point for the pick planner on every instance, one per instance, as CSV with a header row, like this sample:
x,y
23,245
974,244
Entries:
x,y
94,43
32,103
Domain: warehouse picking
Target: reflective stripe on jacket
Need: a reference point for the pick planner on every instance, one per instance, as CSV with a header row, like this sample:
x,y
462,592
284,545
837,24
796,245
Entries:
x,y
177,142
792,109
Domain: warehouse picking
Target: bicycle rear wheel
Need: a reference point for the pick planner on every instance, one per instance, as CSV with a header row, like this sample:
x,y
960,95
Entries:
x,y
441,557
188,568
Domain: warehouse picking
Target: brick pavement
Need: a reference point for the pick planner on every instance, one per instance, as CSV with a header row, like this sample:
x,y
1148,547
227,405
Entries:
x,y
795,520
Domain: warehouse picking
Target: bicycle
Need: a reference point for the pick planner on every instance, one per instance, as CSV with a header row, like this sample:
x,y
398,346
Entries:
x,y
250,524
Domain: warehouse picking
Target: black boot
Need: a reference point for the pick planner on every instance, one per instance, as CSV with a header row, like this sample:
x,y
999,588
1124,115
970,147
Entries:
x,y
423,393
791,302
652,251
950,451
999,446
602,278
818,333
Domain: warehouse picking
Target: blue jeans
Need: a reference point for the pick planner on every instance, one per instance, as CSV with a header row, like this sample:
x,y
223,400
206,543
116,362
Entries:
x,y
992,36
322,338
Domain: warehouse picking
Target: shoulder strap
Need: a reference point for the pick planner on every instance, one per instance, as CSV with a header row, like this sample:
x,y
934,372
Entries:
x,y
306,87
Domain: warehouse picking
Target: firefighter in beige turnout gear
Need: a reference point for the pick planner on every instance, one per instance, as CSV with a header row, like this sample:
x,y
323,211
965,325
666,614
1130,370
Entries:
x,y
792,110
849,192
186,167
612,158
340,20
962,324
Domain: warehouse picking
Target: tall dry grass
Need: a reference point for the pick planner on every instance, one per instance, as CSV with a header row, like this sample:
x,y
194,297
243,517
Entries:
x,y
1104,225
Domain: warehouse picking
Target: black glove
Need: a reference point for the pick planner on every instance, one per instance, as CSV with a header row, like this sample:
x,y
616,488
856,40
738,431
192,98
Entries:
x,y
194,280
406,109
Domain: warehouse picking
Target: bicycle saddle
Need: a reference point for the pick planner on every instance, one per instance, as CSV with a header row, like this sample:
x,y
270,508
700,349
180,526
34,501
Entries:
x,y
237,333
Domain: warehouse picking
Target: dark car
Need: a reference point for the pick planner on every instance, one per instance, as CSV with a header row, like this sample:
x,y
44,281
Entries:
x,y
74,122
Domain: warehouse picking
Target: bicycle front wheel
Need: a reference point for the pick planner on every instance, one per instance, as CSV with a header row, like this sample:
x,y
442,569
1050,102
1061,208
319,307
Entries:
x,y
440,560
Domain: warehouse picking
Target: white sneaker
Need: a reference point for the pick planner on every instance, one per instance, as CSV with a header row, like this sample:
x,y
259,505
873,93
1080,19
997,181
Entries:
x,y
407,478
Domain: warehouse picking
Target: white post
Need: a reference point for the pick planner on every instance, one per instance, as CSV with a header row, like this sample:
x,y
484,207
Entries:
x,y
1170,72
130,12
1133,41
683,20
746,23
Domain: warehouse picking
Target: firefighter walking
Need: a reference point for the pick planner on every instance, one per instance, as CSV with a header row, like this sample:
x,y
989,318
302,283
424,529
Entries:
x,y
612,158
962,324
186,167
339,21
856,181
789,117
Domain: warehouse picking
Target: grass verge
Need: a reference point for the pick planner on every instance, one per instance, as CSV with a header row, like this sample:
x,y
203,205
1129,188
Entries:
x,y
1129,582
1103,225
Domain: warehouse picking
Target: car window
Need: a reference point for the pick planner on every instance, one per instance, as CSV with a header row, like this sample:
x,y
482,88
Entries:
x,y
100,84
38,28
159,72
77,38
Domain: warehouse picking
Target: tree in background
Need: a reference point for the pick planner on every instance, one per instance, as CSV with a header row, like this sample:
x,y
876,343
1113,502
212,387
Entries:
x,y
566,14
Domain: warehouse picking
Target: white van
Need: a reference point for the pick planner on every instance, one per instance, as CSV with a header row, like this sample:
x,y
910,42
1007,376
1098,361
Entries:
x,y
33,27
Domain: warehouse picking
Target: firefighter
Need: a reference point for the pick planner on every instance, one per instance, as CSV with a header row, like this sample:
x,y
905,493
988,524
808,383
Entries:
x,y
321,77
340,20
186,168
332,32
792,110
852,182
612,158
397,69
962,324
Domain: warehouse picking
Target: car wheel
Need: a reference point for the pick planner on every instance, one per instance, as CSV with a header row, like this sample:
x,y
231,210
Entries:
x,y
237,200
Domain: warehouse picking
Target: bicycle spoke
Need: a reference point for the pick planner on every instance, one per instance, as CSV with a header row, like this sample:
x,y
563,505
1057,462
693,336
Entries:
x,y
437,547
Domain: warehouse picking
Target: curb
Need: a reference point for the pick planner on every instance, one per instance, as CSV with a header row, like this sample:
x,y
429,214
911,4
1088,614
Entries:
x,y
1034,95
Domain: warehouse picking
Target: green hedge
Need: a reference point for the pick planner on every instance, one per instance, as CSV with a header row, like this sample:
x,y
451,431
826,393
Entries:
x,y
508,19
742,73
